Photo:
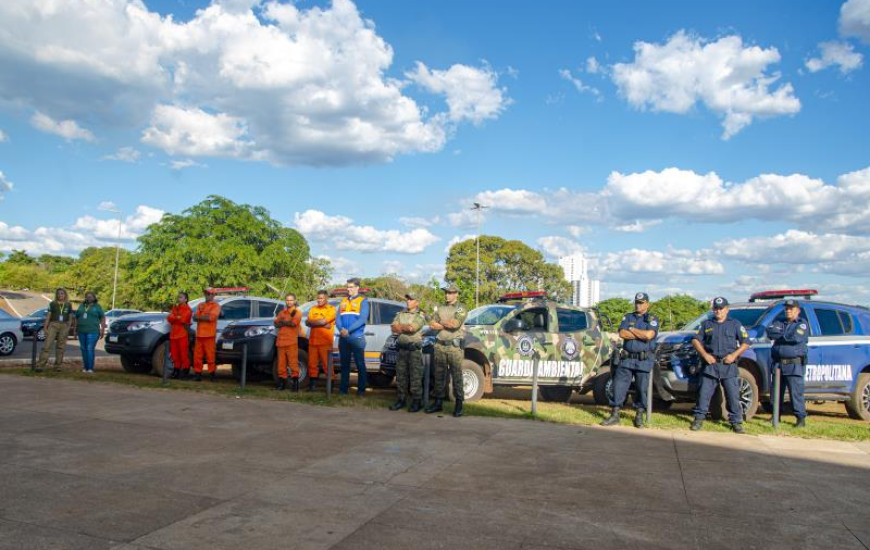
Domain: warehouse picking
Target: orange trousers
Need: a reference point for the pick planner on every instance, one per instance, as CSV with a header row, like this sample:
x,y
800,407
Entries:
x,y
288,355
204,346
179,351
318,355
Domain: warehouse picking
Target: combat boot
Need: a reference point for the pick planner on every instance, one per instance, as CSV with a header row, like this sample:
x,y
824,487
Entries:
x,y
398,405
436,406
213,377
312,384
184,374
197,377
175,374
457,408
737,427
613,418
415,406
295,383
696,424
801,423
639,418
282,383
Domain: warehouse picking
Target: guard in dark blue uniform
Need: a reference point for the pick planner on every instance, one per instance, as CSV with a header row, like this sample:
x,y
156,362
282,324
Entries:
x,y
789,354
720,342
638,331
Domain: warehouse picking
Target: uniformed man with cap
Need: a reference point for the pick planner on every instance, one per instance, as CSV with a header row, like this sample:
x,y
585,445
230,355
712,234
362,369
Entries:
x,y
789,354
448,319
409,324
720,341
638,331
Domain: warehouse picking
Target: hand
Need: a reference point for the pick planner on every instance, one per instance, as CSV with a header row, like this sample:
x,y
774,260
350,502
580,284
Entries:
x,y
709,358
100,337
343,333
434,325
728,359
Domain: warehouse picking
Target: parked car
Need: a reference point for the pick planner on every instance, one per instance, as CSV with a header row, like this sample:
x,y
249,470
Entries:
x,y
142,339
35,324
113,314
10,333
838,362
505,341
259,337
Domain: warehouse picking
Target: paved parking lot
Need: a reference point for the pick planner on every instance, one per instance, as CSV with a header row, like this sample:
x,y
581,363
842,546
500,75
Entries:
x,y
86,465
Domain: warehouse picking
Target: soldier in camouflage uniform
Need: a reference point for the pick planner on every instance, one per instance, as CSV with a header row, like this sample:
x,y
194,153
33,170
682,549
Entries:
x,y
448,320
409,324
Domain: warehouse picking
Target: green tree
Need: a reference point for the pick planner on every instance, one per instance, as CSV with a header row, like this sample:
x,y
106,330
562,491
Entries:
x,y
20,257
613,309
55,265
675,311
389,287
220,243
95,271
505,266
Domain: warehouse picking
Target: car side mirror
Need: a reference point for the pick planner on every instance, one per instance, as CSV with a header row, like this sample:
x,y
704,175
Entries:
x,y
514,325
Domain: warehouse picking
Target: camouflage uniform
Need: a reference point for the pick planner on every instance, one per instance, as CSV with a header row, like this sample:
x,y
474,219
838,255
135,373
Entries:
x,y
409,360
448,350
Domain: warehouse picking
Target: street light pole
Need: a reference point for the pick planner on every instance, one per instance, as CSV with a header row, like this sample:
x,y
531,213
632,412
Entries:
x,y
477,208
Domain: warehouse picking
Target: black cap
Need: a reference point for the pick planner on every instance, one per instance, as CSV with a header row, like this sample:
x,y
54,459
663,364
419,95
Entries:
x,y
719,302
791,303
641,297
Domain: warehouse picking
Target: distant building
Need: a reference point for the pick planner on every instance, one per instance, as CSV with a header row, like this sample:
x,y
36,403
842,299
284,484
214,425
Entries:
x,y
586,291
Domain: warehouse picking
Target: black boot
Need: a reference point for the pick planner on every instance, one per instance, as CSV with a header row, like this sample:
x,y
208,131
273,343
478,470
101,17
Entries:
x,y
398,405
312,384
184,374
213,377
197,377
415,406
613,418
697,423
737,428
801,423
282,383
457,408
175,374
639,418
436,406
295,382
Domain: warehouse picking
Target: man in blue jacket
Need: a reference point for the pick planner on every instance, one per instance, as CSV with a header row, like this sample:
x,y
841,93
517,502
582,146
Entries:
x,y
353,311
789,354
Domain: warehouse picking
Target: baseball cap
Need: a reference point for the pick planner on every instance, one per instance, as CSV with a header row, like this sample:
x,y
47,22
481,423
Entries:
x,y
641,297
719,302
451,288
412,296
791,303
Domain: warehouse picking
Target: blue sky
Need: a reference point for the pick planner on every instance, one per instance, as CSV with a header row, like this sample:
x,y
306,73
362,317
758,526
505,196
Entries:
x,y
701,147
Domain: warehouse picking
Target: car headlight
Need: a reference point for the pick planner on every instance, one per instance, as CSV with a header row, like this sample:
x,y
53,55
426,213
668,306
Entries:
x,y
259,331
139,325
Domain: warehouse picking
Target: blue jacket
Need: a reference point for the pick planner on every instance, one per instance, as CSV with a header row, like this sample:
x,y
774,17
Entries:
x,y
352,315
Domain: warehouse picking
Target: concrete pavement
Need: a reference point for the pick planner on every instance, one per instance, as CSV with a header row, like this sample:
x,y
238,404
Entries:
x,y
86,465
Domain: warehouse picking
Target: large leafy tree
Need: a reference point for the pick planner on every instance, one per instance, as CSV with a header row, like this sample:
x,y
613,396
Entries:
x,y
675,311
95,271
505,266
612,310
220,243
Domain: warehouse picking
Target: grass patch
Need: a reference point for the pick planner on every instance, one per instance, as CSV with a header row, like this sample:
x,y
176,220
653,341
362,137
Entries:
x,y
818,426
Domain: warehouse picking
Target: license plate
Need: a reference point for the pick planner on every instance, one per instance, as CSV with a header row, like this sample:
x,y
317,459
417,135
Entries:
x,y
113,339
227,345
390,357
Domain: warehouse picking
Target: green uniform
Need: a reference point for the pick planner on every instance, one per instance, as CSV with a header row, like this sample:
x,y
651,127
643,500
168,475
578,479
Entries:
x,y
89,318
57,325
409,360
448,350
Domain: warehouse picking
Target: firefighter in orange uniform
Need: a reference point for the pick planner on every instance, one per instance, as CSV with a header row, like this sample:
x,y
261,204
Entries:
x,y
206,317
287,323
321,321
179,344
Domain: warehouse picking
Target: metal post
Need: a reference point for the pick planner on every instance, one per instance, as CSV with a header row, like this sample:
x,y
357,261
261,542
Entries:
x,y
329,370
535,388
776,393
244,366
167,361
33,351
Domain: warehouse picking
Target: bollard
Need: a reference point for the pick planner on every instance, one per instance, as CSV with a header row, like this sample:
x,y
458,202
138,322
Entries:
x,y
329,371
535,389
244,366
649,398
167,361
426,371
33,351
776,394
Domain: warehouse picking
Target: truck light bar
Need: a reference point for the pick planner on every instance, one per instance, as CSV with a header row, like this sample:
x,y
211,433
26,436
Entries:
x,y
780,294
522,295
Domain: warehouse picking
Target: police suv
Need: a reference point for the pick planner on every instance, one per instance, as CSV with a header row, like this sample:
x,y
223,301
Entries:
x,y
837,364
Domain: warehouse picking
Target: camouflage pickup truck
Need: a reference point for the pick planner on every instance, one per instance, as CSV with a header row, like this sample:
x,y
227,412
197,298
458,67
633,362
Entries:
x,y
506,341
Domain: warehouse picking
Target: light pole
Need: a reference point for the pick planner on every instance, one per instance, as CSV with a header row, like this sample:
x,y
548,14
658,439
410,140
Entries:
x,y
117,253
479,208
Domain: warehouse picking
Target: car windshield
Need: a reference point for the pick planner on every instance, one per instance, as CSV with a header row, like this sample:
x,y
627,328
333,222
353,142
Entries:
x,y
488,315
748,317
39,313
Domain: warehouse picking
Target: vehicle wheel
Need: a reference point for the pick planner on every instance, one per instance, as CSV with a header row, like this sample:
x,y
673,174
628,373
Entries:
x,y
303,367
379,379
602,389
41,335
134,365
473,381
555,394
7,343
748,392
858,405
158,357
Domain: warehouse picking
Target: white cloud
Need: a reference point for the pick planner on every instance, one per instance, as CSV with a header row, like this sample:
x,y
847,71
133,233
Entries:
x,y
133,225
636,226
511,201
241,79
185,163
855,19
458,239
628,263
125,154
342,234
726,77
556,246
577,230
67,129
418,221
107,206
592,65
4,137
472,94
5,185
565,74
466,218
840,54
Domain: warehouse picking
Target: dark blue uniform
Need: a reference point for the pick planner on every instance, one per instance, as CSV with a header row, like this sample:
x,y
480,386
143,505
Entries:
x,y
636,360
789,354
720,339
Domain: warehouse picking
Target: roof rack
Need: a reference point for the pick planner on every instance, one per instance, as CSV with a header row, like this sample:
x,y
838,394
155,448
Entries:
x,y
769,295
515,296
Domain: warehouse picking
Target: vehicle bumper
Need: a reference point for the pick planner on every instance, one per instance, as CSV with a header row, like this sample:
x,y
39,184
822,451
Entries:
x,y
140,342
672,388
260,350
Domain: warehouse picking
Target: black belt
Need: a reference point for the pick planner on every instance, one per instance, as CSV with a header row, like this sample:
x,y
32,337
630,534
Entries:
x,y
410,346
639,356
792,361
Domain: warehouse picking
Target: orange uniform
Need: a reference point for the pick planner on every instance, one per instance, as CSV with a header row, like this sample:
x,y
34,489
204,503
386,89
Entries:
x,y
179,320
320,338
288,342
206,330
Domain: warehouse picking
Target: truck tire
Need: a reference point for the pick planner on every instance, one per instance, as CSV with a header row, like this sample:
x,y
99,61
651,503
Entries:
x,y
158,357
749,397
303,367
556,394
473,379
858,405
379,379
135,365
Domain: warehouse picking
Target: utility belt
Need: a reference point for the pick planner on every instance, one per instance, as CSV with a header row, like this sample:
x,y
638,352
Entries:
x,y
409,346
793,361
637,356
455,343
